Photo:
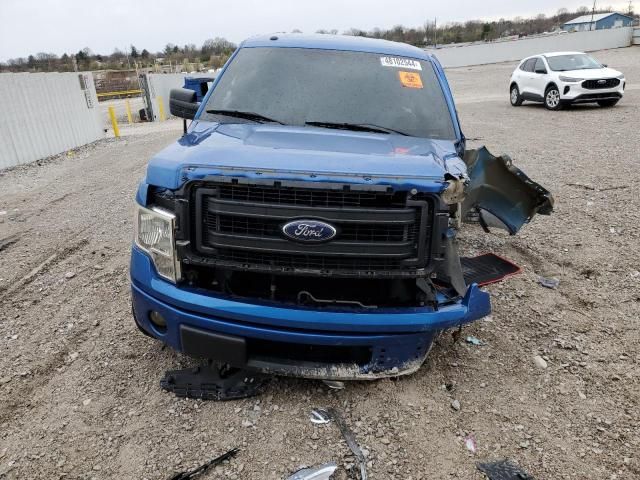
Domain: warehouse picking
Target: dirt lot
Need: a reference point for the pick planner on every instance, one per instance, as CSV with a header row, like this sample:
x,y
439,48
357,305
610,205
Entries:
x,y
79,393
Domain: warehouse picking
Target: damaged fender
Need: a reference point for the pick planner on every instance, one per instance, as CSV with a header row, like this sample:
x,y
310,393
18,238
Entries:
x,y
501,195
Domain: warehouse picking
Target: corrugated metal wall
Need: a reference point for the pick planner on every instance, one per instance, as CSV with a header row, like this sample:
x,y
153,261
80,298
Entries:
x,y
160,85
505,51
43,114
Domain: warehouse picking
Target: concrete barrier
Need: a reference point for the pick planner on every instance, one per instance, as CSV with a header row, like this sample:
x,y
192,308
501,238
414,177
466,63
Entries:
x,y
514,50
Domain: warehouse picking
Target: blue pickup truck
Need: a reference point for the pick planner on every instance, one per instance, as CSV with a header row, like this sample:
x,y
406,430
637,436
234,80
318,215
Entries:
x,y
305,223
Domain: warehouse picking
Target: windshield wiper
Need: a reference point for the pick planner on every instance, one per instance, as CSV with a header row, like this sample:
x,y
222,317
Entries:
x,y
256,117
358,127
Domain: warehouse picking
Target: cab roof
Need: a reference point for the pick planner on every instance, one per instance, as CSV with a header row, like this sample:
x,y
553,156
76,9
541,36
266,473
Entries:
x,y
337,42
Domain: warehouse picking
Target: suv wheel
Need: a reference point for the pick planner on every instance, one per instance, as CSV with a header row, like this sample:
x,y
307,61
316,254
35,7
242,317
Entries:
x,y
552,98
514,96
607,103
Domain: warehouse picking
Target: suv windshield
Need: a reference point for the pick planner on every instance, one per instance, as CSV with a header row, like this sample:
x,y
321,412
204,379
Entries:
x,y
332,89
580,61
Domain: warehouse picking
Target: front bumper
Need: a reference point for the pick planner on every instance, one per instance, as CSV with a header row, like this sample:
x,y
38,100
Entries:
x,y
302,342
575,93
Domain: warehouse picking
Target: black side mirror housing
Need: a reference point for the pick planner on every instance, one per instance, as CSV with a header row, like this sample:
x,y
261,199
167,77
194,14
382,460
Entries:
x,y
183,103
605,65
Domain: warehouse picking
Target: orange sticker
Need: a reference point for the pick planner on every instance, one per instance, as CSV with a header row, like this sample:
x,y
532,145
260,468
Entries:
x,y
410,79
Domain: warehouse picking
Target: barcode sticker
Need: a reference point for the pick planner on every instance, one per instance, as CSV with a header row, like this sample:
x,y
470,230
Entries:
x,y
400,62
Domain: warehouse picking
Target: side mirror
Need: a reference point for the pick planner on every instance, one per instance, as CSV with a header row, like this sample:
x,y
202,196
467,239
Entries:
x,y
182,103
605,65
541,71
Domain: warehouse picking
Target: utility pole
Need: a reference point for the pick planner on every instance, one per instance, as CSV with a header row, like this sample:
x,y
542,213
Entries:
x,y
630,12
593,11
435,32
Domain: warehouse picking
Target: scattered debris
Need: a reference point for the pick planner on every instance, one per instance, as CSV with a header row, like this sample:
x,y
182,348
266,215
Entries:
x,y
351,442
470,443
549,282
455,404
203,468
334,384
503,470
213,382
580,185
69,275
323,472
474,341
320,416
539,361
617,187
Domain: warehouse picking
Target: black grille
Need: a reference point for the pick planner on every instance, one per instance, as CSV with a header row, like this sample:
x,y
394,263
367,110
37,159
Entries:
x,y
379,230
601,83
267,227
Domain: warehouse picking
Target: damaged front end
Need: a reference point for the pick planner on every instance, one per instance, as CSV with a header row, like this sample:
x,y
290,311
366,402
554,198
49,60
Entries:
x,y
366,304
493,193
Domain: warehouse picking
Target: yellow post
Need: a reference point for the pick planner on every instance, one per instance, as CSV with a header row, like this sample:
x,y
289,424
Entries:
x,y
126,102
161,110
114,122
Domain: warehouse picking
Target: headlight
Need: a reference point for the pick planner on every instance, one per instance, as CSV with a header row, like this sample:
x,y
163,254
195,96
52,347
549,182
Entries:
x,y
154,235
620,77
570,79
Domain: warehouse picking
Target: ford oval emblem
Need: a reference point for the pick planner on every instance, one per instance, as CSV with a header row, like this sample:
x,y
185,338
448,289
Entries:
x,y
309,231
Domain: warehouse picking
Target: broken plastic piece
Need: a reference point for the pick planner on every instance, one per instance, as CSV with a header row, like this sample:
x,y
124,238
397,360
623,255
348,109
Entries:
x,y
549,282
500,194
503,470
470,443
474,341
323,472
320,416
203,468
213,382
351,442
487,268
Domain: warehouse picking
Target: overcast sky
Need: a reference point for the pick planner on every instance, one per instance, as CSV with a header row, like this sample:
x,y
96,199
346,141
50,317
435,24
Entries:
x,y
58,26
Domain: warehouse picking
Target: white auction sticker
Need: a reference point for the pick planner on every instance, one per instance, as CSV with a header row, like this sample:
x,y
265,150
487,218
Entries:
x,y
400,62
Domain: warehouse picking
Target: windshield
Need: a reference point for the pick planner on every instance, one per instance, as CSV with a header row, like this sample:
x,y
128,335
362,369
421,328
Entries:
x,y
332,89
578,61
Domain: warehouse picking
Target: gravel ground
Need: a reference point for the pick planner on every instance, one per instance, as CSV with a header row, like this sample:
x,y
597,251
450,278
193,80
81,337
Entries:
x,y
79,393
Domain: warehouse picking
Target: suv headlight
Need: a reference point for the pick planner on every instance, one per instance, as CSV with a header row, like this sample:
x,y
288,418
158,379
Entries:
x,y
154,235
570,79
620,77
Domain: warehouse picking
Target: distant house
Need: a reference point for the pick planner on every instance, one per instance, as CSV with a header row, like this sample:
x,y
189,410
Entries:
x,y
598,21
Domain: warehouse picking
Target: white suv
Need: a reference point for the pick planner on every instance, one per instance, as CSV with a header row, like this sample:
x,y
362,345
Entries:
x,y
562,78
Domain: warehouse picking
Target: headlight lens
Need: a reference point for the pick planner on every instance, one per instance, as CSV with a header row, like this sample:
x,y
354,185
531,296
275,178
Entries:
x,y
154,235
620,77
570,79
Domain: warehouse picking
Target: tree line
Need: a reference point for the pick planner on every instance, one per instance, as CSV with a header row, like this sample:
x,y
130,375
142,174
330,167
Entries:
x,y
214,52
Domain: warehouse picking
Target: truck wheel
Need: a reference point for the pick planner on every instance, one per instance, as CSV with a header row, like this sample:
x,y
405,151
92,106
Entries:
x,y
514,96
607,103
552,98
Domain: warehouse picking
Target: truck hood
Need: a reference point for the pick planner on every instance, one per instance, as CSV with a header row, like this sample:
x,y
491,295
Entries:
x,y
305,153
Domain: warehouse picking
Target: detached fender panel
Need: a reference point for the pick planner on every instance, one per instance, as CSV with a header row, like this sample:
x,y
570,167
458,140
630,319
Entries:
x,y
500,194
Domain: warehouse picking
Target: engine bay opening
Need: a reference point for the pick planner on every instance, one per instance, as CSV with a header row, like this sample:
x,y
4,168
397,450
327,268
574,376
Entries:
x,y
315,291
